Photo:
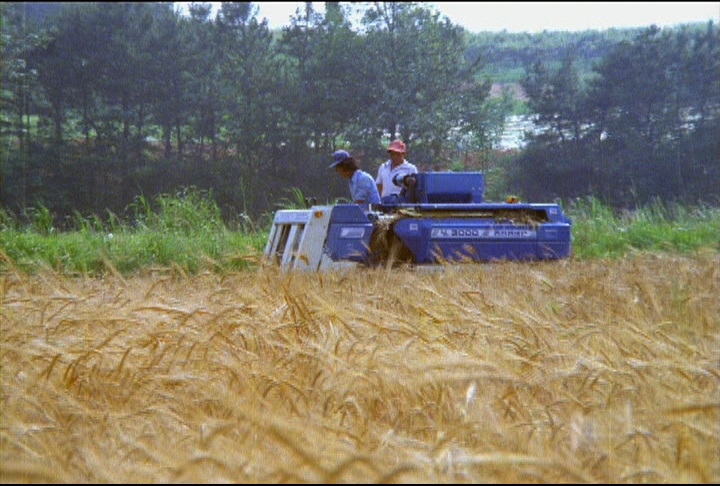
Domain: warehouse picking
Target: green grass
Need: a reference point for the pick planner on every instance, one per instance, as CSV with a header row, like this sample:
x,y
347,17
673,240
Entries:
x,y
129,250
598,231
185,232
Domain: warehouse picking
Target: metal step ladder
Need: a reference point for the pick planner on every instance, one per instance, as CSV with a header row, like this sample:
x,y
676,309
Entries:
x,y
297,238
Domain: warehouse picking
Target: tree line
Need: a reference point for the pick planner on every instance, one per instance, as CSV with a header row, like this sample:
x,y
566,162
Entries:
x,y
644,125
105,102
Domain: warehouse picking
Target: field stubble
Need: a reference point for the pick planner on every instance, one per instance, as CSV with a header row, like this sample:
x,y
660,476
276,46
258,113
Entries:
x,y
569,371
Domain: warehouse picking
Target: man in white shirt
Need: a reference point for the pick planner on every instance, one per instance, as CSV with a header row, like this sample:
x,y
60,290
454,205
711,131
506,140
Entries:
x,y
395,168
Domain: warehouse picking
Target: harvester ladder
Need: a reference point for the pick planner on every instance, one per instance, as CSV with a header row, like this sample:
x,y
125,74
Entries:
x,y
297,237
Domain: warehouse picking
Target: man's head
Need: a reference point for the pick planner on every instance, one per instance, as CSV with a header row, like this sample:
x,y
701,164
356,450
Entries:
x,y
343,163
339,156
397,151
397,146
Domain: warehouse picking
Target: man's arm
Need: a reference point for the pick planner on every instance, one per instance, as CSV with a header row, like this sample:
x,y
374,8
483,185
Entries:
x,y
378,180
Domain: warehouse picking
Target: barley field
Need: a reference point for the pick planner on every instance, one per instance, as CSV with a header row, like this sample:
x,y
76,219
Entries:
x,y
599,371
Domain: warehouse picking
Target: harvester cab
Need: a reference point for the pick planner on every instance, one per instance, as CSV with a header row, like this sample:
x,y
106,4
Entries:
x,y
439,217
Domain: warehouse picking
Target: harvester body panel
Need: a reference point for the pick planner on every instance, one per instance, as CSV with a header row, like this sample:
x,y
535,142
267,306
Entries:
x,y
349,234
434,240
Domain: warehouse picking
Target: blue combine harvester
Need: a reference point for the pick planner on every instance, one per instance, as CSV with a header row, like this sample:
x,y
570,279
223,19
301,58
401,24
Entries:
x,y
439,217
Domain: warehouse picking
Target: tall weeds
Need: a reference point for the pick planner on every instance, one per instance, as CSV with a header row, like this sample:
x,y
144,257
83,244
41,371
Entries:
x,y
599,231
186,230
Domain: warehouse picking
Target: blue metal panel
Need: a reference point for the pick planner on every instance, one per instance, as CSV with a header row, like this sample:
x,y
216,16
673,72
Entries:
x,y
450,187
348,213
433,240
440,188
349,234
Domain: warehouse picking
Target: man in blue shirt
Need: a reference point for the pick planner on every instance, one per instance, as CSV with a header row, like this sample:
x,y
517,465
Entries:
x,y
363,189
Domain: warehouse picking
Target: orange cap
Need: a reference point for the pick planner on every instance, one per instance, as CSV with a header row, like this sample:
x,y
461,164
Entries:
x,y
397,146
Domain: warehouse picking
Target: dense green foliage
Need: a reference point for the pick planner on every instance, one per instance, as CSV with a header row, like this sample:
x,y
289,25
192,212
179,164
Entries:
x,y
113,100
599,231
644,126
104,104
185,233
